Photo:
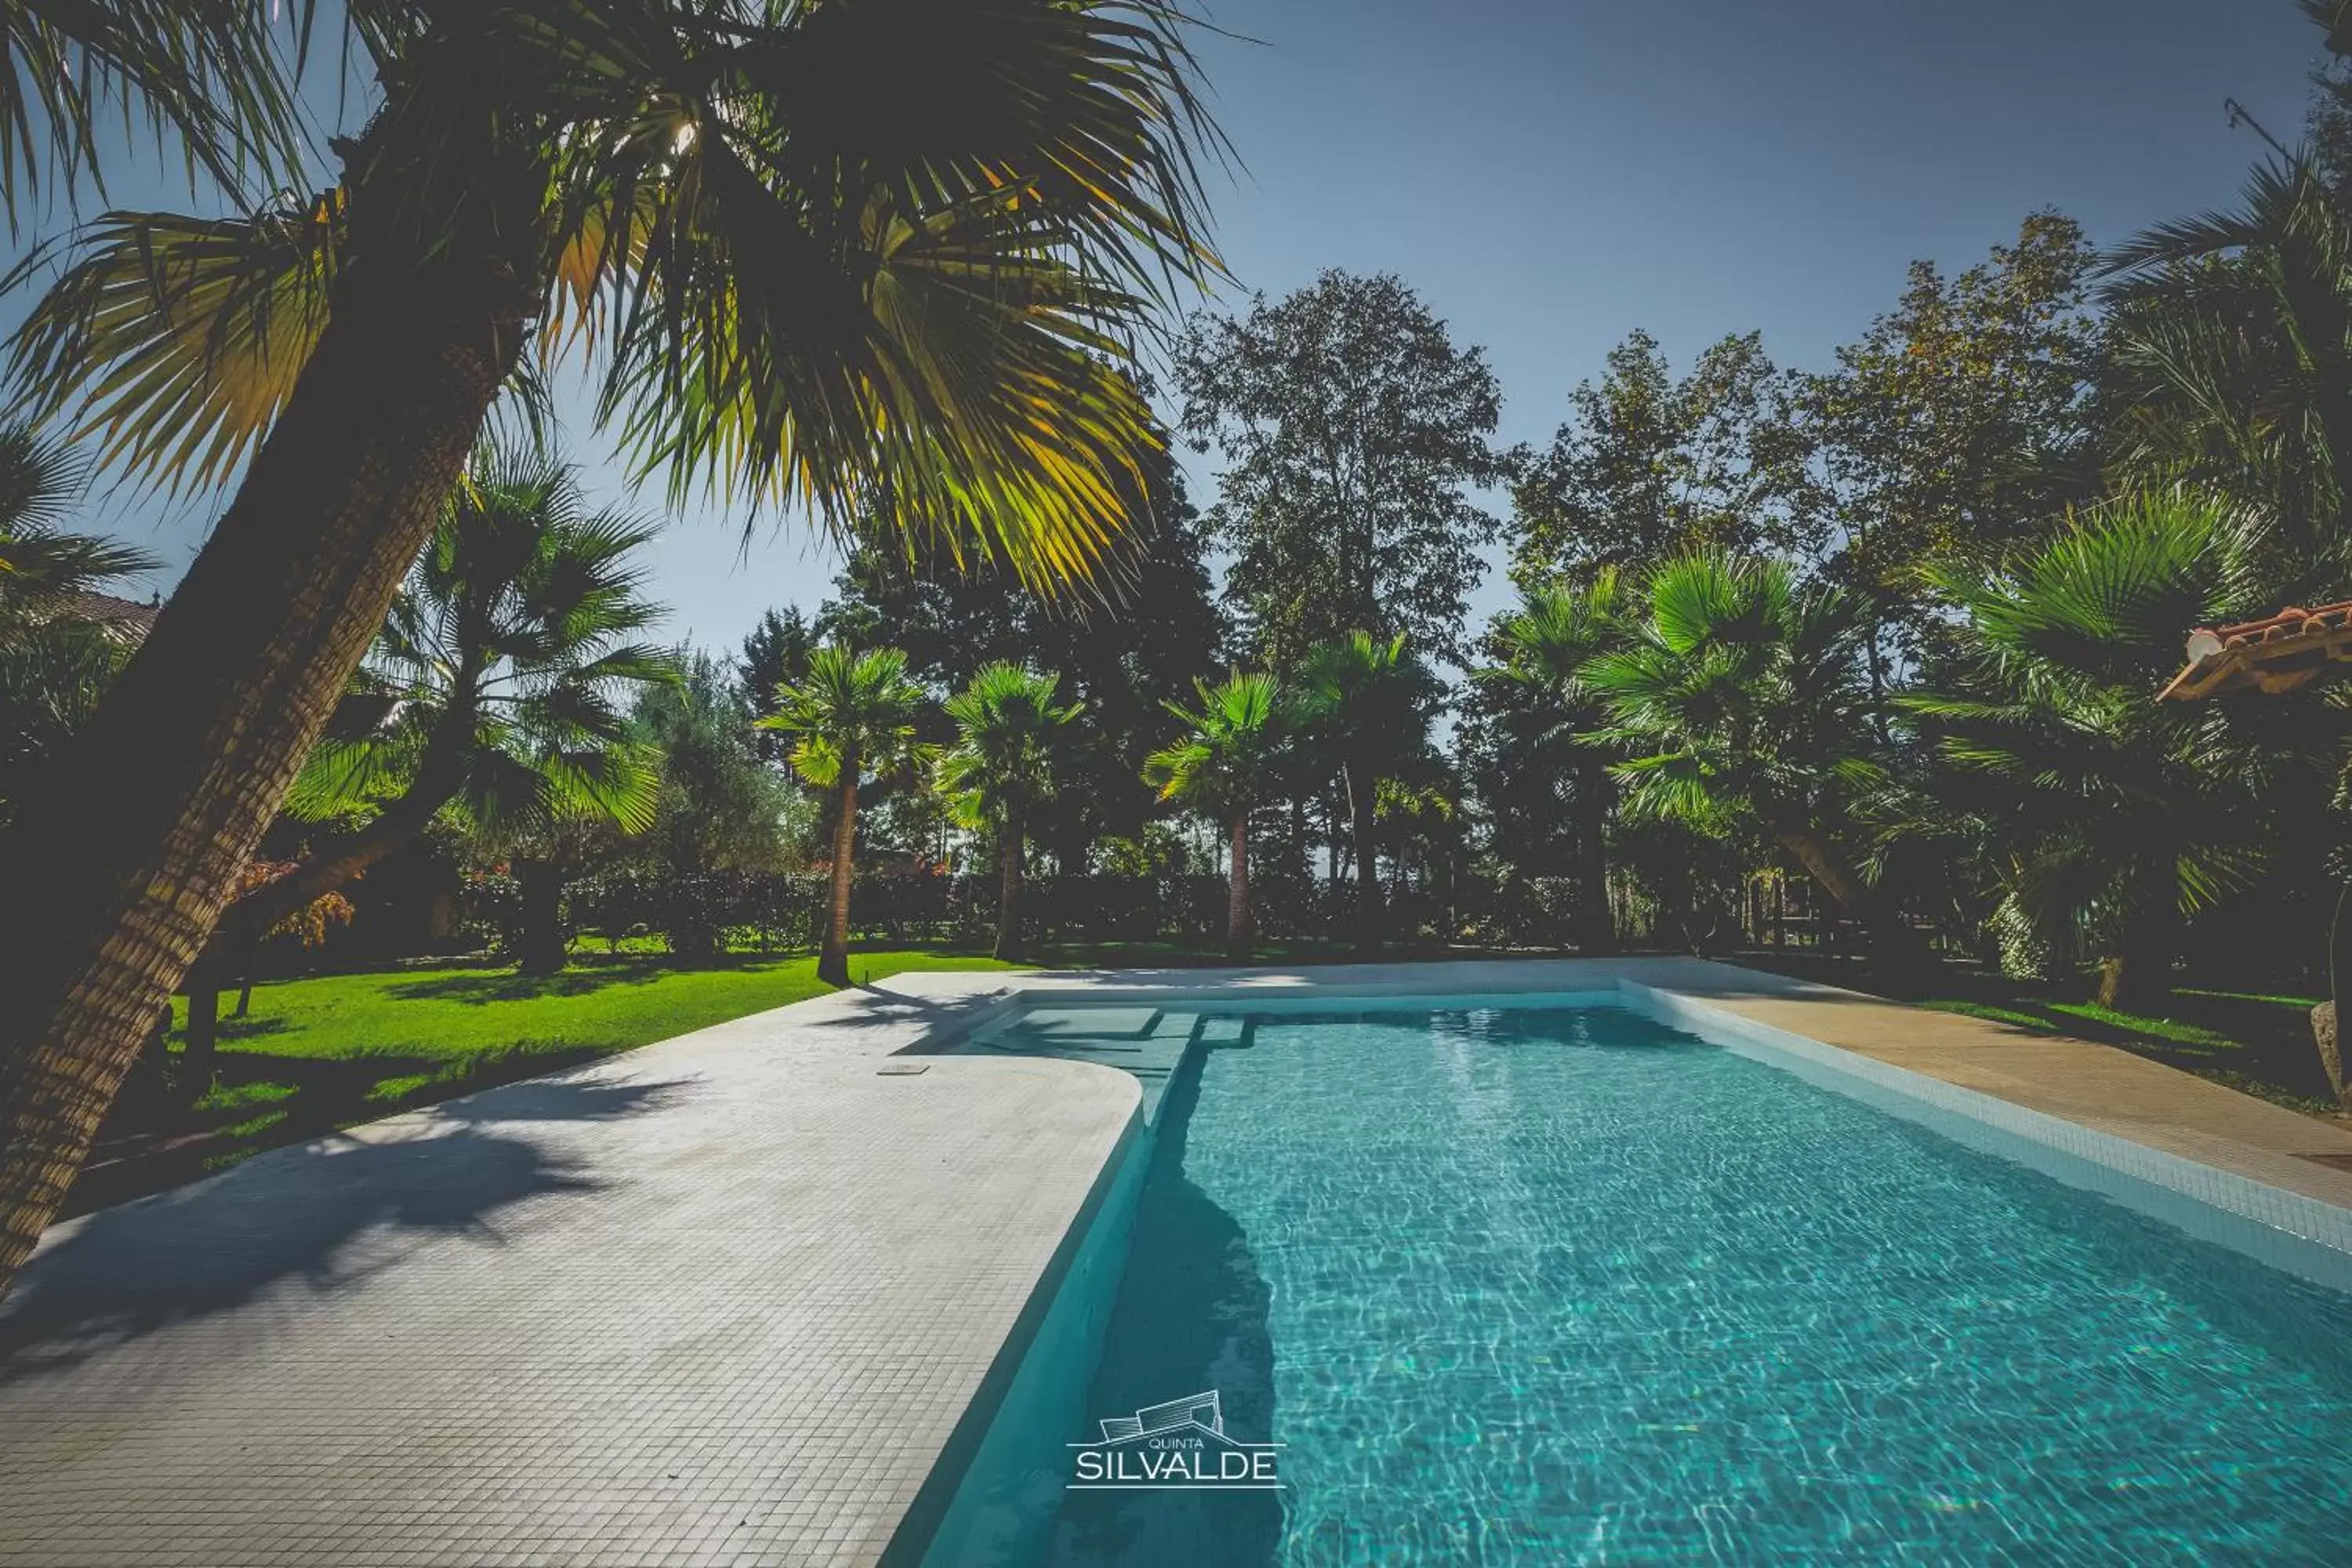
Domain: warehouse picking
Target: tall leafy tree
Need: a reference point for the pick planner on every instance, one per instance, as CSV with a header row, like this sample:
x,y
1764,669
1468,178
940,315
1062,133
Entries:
x,y
816,254
1957,428
774,655
1650,467
1547,645
1012,737
1353,434
1228,761
1367,700
854,717
720,808
2115,818
1742,695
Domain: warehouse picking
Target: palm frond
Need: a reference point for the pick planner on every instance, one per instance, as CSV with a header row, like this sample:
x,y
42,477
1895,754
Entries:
x,y
174,341
215,75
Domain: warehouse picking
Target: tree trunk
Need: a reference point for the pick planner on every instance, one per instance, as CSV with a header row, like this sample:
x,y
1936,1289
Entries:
x,y
1364,805
137,834
2136,976
539,946
401,823
1896,949
1008,907
833,964
1238,932
200,1042
1596,927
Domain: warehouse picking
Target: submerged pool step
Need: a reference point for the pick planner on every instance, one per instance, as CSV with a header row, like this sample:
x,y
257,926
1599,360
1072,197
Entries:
x,y
1224,1029
1146,1043
1087,1023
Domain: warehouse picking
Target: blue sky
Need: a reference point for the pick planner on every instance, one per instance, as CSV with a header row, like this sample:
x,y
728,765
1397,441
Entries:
x,y
1552,175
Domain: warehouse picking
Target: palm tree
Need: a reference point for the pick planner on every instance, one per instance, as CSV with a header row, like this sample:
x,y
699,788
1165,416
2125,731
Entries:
x,y
1365,696
1556,632
2235,336
2112,815
1743,695
207,73
1229,759
501,681
1006,753
854,714
499,685
891,255
56,658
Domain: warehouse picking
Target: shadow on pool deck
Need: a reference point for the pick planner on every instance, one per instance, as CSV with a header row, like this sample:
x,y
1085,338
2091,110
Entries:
x,y
198,1250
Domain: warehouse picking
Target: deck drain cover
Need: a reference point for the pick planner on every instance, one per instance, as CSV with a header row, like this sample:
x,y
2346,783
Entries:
x,y
903,1069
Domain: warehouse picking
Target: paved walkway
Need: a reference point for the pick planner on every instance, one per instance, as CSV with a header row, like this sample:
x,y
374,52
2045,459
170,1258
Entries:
x,y
722,1301
2096,1086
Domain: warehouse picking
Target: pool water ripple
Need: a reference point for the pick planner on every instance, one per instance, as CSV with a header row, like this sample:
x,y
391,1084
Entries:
x,y
1554,1287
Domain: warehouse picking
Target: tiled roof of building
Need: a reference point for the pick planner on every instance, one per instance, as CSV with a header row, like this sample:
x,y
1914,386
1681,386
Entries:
x,y
130,616
2289,649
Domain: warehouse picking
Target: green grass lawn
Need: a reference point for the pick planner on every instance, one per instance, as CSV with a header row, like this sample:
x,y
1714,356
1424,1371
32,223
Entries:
x,y
318,1054
314,1054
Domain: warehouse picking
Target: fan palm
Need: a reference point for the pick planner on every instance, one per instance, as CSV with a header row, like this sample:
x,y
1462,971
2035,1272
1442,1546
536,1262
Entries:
x,y
207,72
886,256
1742,695
1556,632
1365,697
2234,333
1008,750
500,684
854,714
2114,815
497,688
56,658
1230,758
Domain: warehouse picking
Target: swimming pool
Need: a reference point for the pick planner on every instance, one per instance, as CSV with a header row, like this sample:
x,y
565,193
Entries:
x,y
1543,1284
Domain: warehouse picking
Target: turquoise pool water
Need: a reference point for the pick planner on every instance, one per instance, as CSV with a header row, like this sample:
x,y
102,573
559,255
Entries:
x,y
1558,1287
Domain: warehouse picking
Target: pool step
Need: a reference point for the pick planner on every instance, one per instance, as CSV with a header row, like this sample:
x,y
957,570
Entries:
x,y
1225,1029
1145,1042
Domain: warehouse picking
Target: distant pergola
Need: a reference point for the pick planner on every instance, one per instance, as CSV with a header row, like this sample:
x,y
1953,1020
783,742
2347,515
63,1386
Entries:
x,y
2291,650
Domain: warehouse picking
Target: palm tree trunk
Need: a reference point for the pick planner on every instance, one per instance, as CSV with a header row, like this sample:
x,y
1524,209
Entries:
x,y
1596,927
138,834
1894,947
200,1042
833,964
1363,805
1008,906
400,824
2136,976
539,947
1238,931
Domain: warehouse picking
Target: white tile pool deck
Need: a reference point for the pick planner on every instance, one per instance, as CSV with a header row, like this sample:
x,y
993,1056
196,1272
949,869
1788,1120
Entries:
x,y
720,1301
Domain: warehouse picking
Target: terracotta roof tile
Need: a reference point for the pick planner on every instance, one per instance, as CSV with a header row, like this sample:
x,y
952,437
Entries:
x,y
2278,653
